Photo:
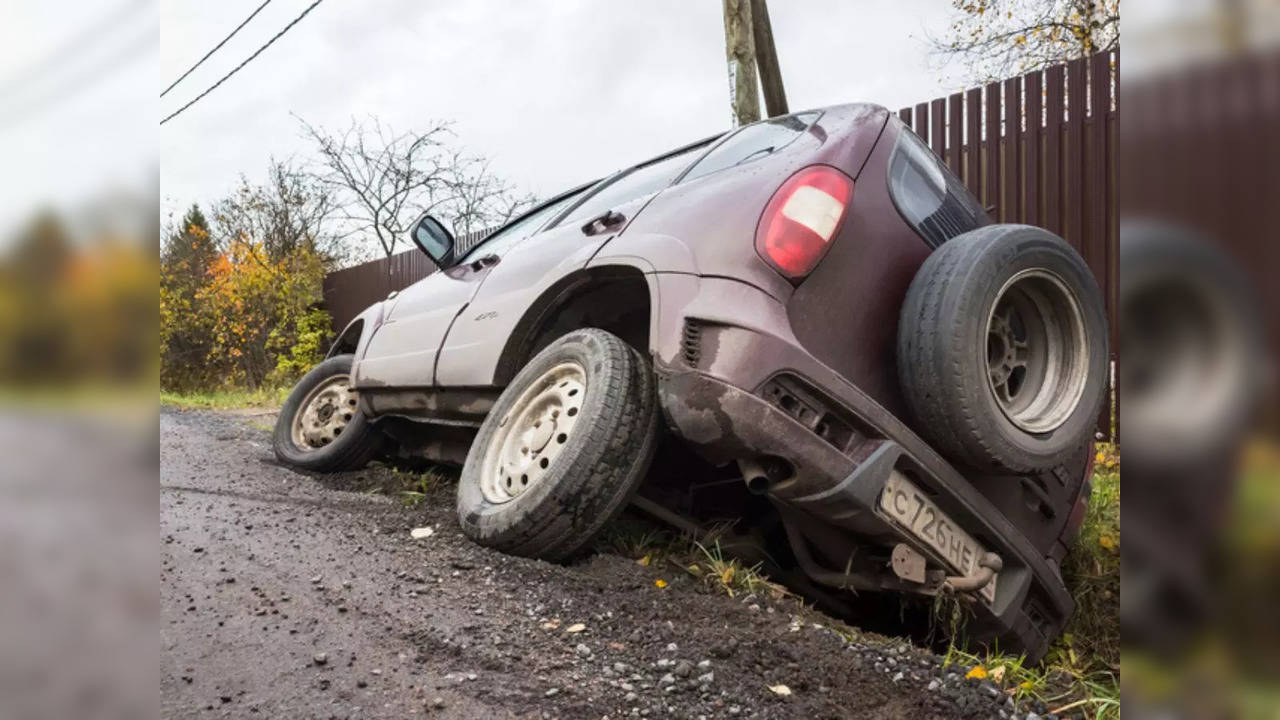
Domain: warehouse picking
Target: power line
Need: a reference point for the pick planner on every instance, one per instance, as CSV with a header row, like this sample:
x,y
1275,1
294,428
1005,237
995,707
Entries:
x,y
246,61
215,49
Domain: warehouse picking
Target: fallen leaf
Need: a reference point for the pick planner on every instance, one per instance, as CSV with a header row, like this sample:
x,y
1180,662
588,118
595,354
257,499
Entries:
x,y
1107,542
660,583
1025,685
551,624
997,674
782,690
643,561
575,628
617,646
422,532
977,673
726,577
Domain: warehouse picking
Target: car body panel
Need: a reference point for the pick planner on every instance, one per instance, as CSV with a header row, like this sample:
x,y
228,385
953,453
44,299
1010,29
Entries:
x,y
402,352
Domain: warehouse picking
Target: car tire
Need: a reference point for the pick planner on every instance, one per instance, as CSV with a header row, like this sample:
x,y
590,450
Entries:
x,y
320,427
1002,349
563,450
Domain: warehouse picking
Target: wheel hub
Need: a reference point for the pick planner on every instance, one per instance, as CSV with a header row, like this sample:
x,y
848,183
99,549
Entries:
x,y
1037,351
324,413
533,432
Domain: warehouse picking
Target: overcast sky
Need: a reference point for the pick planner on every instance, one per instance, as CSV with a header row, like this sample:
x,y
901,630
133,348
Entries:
x,y
553,92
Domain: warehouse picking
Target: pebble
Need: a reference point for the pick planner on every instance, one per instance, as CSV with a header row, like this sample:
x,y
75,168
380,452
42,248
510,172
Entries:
x,y
320,658
706,678
684,668
704,664
667,679
899,677
582,650
437,702
551,693
672,647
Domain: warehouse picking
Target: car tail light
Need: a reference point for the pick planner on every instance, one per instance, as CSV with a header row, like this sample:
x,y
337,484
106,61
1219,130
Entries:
x,y
801,219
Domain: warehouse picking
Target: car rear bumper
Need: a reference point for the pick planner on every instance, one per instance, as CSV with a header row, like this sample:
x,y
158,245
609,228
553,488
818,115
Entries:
x,y
737,385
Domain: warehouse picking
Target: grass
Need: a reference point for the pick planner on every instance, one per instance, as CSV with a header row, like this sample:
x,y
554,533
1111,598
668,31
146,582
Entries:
x,y
271,398
1080,676
420,486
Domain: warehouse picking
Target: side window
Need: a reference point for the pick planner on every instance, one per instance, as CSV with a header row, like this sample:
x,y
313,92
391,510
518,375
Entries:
x,y
639,182
503,240
753,142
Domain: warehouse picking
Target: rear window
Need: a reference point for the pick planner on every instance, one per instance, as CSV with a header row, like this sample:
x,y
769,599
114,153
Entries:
x,y
753,142
928,195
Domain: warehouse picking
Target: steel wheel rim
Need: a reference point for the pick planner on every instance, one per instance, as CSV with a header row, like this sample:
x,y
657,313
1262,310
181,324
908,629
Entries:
x,y
1036,351
533,433
324,413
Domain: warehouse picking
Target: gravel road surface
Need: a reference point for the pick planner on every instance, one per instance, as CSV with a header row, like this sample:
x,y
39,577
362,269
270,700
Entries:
x,y
291,595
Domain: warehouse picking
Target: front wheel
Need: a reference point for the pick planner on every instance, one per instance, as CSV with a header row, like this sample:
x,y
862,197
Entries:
x,y
563,450
320,427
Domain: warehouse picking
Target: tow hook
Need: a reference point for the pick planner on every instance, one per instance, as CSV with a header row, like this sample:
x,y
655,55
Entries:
x,y
988,565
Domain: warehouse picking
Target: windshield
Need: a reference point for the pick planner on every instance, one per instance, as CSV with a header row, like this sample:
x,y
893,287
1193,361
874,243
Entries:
x,y
506,238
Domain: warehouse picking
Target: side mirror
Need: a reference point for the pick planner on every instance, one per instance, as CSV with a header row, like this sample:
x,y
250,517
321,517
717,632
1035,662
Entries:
x,y
434,239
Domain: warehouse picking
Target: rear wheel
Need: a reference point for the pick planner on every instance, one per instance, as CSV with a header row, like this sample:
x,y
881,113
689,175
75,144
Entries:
x,y
320,426
563,449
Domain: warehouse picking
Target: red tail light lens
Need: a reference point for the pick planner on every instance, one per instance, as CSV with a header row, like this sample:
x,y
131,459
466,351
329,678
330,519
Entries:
x,y
801,219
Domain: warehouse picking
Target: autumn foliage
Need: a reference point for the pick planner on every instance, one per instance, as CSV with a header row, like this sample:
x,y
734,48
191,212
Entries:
x,y
233,315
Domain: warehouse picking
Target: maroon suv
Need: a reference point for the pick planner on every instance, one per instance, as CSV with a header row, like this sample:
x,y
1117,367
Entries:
x,y
881,389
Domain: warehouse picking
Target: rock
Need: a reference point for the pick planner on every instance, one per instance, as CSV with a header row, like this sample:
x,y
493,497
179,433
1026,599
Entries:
x,y
933,685
899,677
704,664
551,693
316,580
672,647
706,678
422,532
630,697
684,668
437,702
620,667
582,650
667,679
320,658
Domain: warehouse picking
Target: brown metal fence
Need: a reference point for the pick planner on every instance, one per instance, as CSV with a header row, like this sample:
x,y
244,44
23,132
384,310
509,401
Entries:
x,y
1041,149
1038,149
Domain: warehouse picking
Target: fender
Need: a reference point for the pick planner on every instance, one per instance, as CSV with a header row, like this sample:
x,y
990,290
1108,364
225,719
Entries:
x,y
354,338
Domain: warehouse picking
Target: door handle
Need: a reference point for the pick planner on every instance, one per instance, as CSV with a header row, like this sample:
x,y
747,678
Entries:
x,y
606,220
483,262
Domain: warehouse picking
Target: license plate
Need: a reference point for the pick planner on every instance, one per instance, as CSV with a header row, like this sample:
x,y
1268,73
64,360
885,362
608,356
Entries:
x,y
912,509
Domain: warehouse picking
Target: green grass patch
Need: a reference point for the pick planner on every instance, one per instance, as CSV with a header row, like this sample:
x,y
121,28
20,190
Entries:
x,y
270,398
1080,675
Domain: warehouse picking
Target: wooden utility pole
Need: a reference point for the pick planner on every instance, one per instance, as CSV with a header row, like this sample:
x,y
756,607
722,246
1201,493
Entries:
x,y
775,98
741,55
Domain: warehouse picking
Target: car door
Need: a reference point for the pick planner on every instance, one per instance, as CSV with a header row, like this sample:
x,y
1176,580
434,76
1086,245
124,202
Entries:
x,y
472,348
403,351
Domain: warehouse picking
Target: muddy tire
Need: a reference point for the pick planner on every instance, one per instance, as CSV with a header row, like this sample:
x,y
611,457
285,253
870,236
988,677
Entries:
x,y
320,427
563,450
1002,349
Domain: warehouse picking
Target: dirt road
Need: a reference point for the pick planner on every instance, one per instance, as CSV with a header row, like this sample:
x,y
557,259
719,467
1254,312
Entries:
x,y
288,595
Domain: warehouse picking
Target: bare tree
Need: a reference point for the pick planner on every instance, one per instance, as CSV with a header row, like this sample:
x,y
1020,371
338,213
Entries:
x,y
996,39
291,210
383,180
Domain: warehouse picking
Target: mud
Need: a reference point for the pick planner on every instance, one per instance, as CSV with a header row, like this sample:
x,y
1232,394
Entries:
x,y
289,595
